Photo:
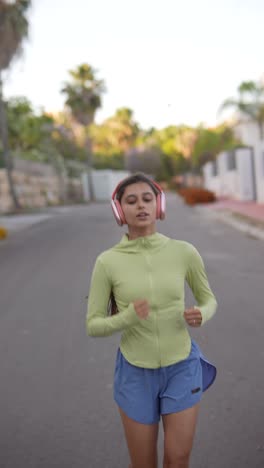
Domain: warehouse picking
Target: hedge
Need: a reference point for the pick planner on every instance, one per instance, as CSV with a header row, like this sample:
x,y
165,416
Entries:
x,y
195,195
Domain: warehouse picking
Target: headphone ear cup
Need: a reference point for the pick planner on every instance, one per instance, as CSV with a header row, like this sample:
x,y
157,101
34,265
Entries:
x,y
161,206
158,211
118,213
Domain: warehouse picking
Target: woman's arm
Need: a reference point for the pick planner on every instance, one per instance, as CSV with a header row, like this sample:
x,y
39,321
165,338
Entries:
x,y
196,278
98,323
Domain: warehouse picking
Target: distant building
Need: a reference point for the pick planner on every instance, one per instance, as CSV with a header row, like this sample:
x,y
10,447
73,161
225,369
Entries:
x,y
239,174
249,133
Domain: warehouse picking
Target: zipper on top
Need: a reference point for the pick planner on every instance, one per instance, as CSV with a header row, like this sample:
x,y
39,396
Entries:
x,y
152,297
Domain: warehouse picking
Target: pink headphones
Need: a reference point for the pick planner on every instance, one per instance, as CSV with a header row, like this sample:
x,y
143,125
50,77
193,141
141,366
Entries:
x,y
118,212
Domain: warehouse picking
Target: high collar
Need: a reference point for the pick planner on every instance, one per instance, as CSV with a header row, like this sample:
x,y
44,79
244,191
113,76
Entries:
x,y
152,242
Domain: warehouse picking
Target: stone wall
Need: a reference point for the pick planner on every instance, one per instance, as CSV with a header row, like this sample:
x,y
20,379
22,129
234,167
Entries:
x,y
36,191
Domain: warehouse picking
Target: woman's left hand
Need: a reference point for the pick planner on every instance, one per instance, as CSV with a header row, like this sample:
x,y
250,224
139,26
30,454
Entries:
x,y
193,317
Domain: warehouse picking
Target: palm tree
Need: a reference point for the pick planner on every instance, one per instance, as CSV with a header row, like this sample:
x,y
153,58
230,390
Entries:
x,y
13,29
250,102
83,97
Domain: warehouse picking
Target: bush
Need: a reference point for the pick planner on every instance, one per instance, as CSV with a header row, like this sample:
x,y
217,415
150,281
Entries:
x,y
195,195
3,233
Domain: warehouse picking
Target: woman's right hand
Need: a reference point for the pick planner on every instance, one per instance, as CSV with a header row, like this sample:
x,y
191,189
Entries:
x,y
141,307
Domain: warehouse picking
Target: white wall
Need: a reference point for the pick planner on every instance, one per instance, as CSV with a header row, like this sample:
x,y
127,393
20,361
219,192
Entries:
x,y
235,183
207,173
224,182
249,133
104,183
115,178
211,182
85,184
246,177
259,171
260,174
232,184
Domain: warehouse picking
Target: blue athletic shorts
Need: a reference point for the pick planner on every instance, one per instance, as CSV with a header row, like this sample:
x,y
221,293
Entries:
x,y
145,394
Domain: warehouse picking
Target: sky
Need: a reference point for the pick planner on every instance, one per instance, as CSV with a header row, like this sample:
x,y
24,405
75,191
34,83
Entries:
x,y
171,61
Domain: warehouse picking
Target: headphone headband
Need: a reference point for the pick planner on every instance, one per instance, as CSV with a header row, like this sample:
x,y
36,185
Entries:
x,y
151,182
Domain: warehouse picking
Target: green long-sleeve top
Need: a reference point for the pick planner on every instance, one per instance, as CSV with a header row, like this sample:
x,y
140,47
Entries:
x,y
154,268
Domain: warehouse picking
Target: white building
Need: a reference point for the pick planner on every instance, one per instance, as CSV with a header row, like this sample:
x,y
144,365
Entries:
x,y
249,133
239,174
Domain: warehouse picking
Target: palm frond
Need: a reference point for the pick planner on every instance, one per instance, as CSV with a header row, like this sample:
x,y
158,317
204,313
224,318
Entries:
x,y
13,29
83,93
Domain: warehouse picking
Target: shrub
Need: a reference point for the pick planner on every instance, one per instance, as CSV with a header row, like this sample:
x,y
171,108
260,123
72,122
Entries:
x,y
195,195
3,233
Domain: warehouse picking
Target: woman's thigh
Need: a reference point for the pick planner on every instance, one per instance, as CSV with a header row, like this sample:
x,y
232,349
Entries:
x,y
179,431
141,442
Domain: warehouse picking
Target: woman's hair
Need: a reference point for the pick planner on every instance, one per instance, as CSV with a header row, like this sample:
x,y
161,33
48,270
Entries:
x,y
133,179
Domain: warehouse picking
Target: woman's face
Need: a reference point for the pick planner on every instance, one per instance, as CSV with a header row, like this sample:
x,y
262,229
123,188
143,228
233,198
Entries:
x,y
139,205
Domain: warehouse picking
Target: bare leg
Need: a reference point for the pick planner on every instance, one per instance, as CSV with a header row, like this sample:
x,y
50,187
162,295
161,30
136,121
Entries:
x,y
179,430
141,442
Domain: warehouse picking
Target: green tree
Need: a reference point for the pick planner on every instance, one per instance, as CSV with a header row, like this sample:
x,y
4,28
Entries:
x,y
83,97
116,135
68,137
210,142
13,29
250,102
176,145
38,136
26,130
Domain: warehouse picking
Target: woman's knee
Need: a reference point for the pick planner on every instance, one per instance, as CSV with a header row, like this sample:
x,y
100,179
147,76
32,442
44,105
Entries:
x,y
176,458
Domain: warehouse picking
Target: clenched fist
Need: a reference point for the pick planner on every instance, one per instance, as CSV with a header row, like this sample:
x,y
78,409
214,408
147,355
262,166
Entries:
x,y
141,307
193,317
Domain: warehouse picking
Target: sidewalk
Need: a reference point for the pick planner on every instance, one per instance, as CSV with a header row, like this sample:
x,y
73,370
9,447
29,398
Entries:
x,y
15,223
247,216
252,211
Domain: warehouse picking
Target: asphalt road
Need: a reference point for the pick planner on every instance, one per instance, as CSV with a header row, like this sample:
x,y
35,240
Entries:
x,y
56,405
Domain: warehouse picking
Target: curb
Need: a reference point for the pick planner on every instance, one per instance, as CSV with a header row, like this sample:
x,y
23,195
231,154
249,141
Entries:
x,y
14,224
251,227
